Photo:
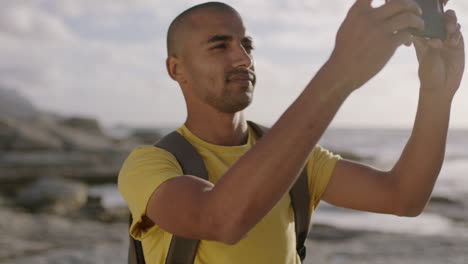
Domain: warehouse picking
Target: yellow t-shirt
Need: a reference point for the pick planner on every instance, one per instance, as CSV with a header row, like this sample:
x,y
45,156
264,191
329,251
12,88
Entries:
x,y
271,241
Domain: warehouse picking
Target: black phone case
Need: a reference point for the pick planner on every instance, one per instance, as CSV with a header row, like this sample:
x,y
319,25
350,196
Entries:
x,y
434,21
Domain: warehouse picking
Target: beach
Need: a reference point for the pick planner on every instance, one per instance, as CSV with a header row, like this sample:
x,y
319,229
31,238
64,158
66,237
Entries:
x,y
29,238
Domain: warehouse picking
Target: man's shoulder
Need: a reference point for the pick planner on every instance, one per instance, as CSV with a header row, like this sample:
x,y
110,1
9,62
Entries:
x,y
145,150
149,155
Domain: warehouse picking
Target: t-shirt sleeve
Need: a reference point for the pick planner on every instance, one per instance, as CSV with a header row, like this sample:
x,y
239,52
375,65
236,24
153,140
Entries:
x,y
319,171
145,169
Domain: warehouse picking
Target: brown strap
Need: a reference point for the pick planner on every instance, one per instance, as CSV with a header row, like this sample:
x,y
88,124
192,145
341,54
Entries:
x,y
135,249
300,201
132,258
187,156
182,250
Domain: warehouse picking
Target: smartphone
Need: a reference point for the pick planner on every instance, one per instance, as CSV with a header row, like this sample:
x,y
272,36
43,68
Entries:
x,y
434,21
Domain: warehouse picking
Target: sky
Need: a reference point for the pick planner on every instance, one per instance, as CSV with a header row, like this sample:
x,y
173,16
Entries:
x,y
106,59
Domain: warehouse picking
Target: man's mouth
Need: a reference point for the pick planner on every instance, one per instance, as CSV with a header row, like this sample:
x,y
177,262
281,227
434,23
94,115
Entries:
x,y
241,77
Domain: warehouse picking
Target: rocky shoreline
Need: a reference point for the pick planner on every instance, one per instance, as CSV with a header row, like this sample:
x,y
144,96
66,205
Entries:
x,y
72,226
44,238
331,245
47,163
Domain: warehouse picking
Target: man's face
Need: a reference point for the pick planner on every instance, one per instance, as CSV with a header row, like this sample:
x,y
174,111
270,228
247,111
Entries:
x,y
219,63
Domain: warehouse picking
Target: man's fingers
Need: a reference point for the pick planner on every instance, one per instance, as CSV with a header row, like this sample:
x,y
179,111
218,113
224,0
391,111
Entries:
x,y
455,38
419,43
403,37
453,29
435,43
404,21
421,47
422,44
409,40
451,21
394,7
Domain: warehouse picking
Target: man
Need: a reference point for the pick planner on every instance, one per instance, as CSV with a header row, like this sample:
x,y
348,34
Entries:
x,y
243,214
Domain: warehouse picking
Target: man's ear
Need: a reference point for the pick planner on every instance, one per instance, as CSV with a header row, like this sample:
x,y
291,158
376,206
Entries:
x,y
173,68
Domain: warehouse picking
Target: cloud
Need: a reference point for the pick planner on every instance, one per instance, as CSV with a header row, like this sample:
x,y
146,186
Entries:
x,y
106,58
72,8
29,22
66,72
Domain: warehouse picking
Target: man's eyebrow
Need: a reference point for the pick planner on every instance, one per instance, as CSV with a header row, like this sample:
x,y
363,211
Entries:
x,y
247,39
217,38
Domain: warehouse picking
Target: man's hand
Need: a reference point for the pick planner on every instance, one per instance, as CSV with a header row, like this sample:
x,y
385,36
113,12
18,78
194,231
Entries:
x,y
442,63
369,36
406,188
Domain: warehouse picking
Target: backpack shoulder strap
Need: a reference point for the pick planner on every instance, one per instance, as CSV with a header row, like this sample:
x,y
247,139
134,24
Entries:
x,y
135,249
258,129
187,156
300,201
181,250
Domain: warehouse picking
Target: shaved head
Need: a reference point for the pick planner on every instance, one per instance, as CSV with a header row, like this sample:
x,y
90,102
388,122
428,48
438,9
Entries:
x,y
183,24
209,55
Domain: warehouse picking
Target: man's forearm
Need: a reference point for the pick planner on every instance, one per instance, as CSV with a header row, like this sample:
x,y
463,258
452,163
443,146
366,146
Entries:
x,y
264,174
420,163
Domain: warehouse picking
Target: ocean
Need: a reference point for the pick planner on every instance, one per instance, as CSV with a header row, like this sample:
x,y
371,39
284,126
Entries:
x,y
382,148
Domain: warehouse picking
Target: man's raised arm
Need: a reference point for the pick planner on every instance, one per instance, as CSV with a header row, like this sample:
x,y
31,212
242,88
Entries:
x,y
197,209
406,188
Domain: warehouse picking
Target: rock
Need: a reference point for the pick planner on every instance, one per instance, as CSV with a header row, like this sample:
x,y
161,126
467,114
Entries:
x,y
48,144
387,248
95,210
452,208
18,168
89,125
11,246
106,204
18,135
14,105
146,136
328,233
77,138
444,200
45,133
53,195
115,253
42,238
5,201
130,143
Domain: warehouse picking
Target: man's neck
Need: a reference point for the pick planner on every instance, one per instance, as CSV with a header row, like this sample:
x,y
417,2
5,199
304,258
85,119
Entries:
x,y
219,129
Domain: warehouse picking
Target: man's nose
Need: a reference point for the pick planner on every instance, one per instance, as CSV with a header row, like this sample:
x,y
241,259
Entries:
x,y
242,58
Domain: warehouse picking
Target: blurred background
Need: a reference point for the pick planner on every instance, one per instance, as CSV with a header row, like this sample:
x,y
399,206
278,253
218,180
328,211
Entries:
x,y
84,82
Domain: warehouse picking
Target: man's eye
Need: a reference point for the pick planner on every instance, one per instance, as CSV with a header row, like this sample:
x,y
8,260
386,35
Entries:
x,y
249,47
220,46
